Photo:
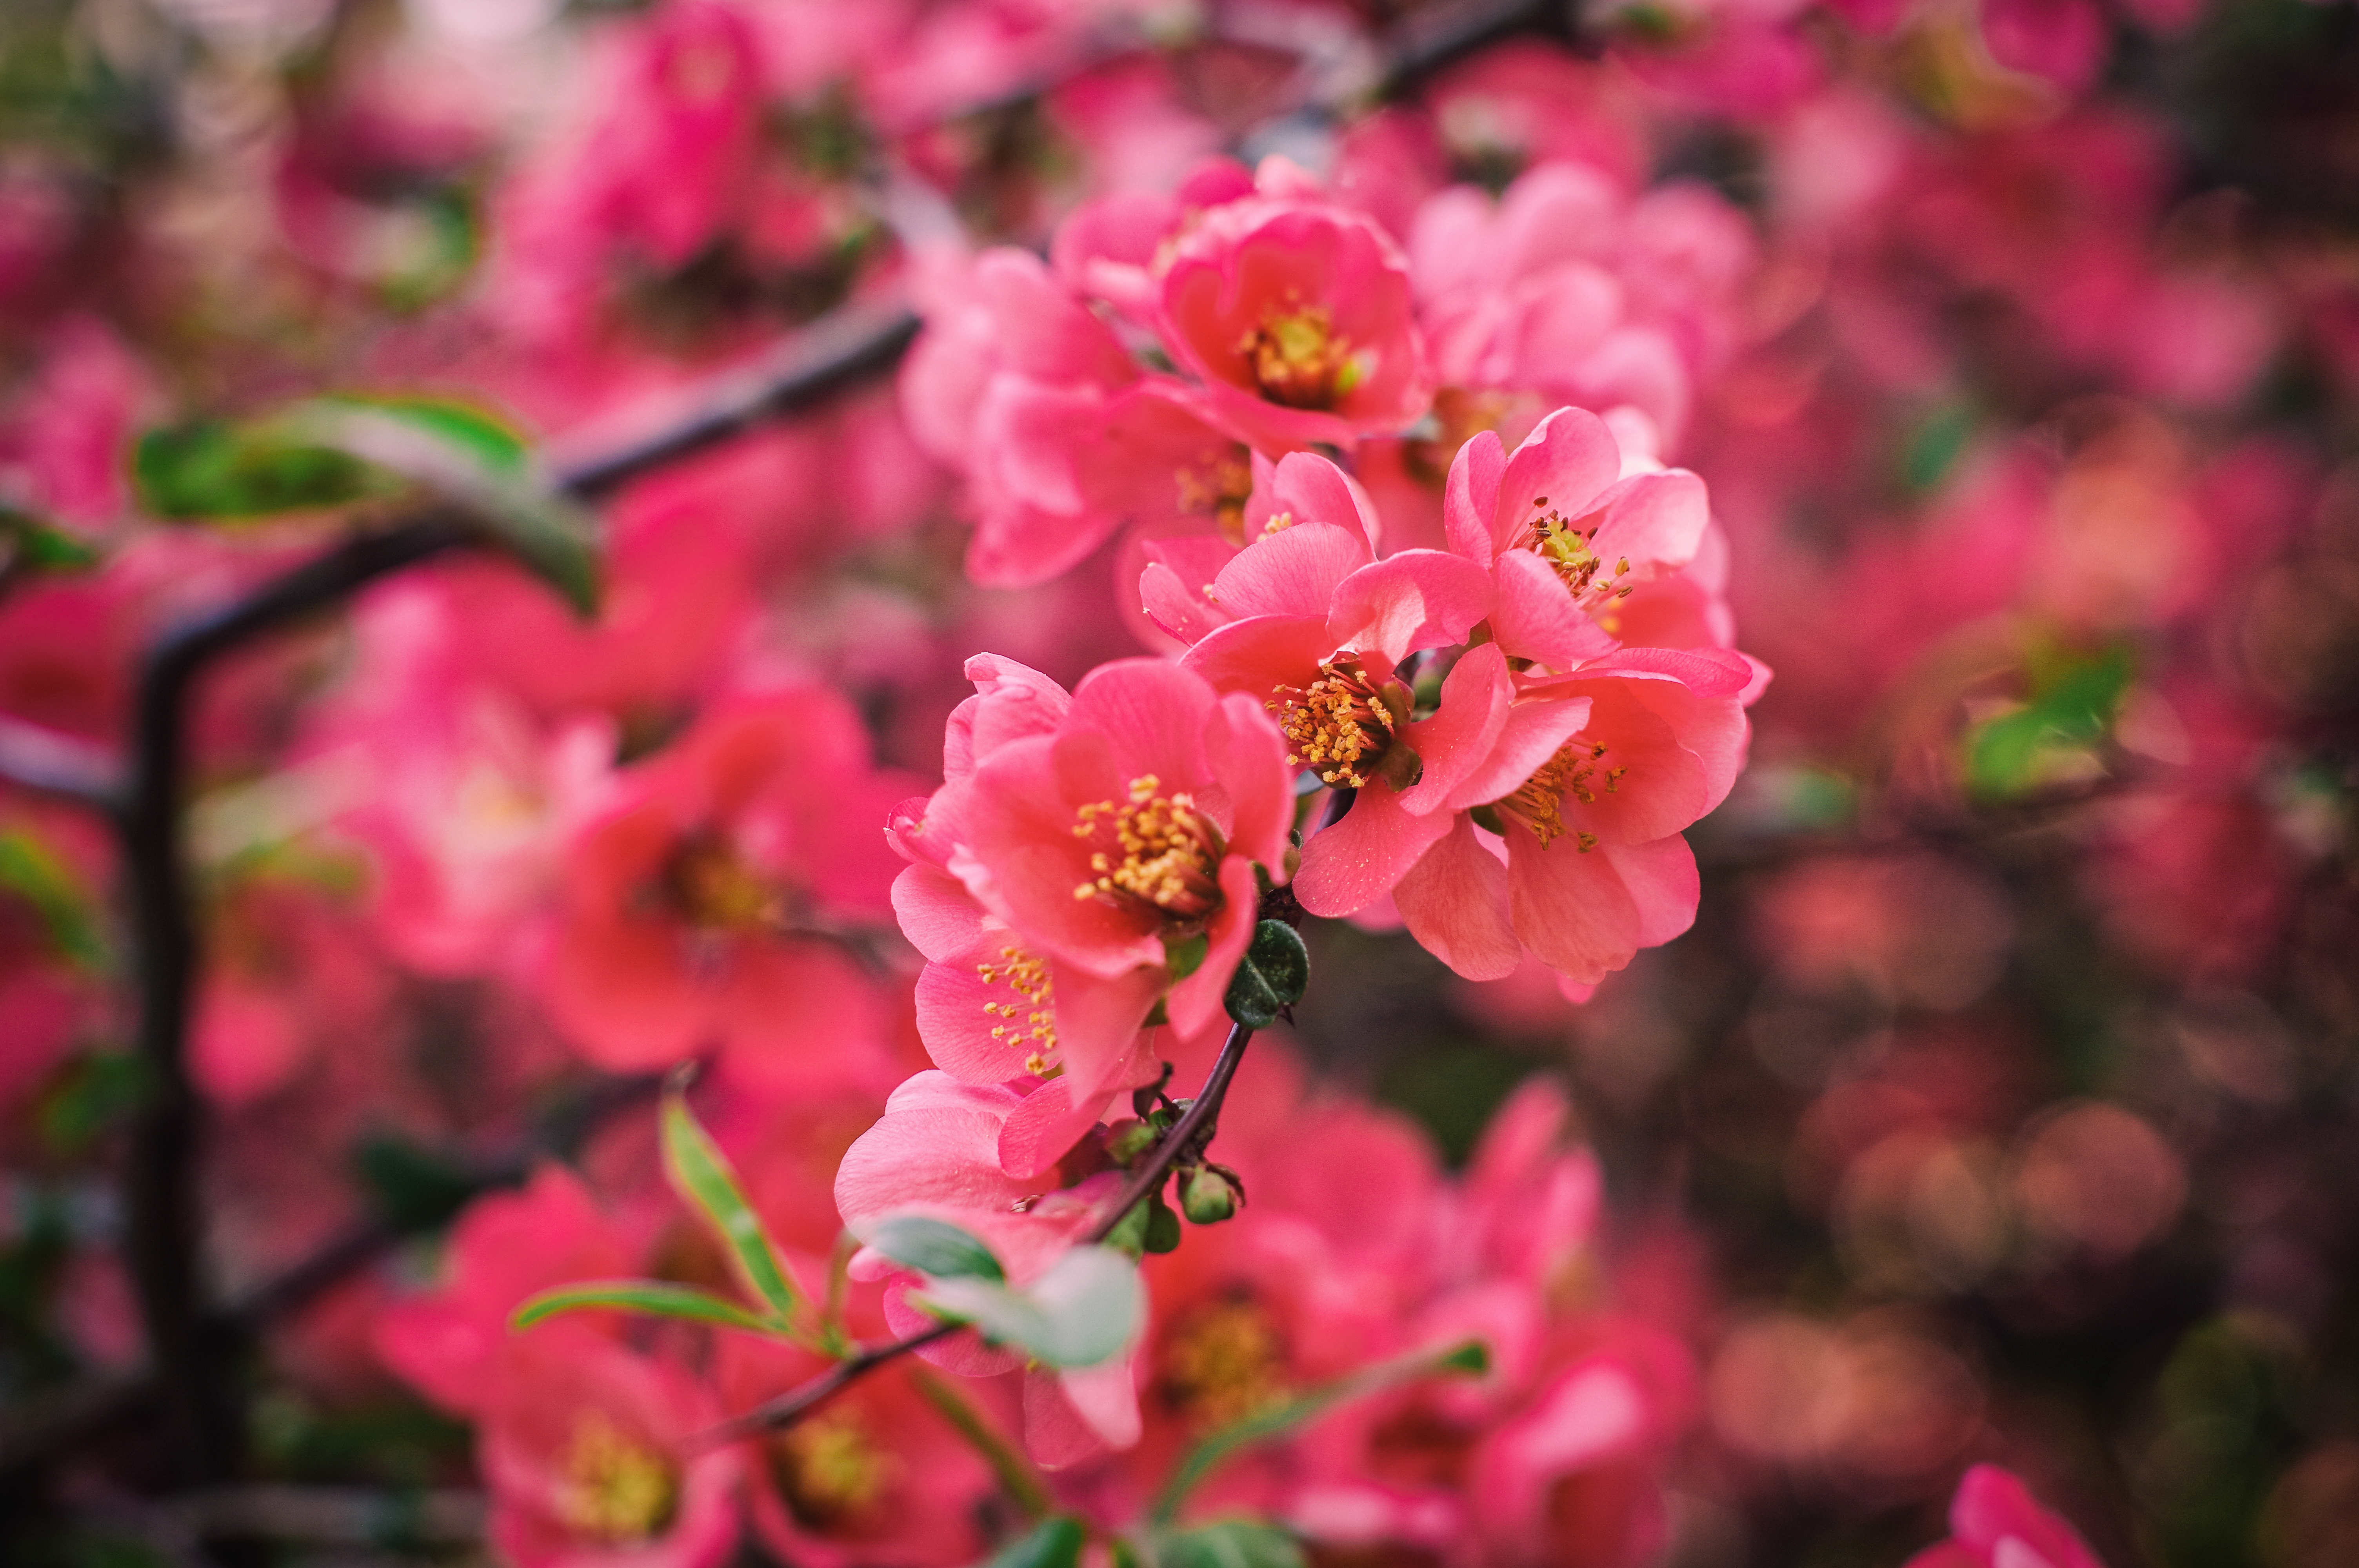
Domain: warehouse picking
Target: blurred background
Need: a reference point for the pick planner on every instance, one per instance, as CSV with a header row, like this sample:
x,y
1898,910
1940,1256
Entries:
x,y
2001,1103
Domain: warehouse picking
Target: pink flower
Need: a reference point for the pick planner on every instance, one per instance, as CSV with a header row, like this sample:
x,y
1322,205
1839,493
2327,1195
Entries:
x,y
1062,435
506,1249
1567,535
1094,855
1297,315
1574,1477
583,1446
709,904
1994,1522
878,1477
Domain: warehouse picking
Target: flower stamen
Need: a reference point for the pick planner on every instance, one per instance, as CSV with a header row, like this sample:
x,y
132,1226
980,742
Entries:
x,y
1335,724
1158,849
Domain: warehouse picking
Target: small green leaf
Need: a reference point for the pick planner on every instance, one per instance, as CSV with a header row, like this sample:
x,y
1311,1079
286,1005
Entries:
x,y
700,1172
935,1246
1085,1311
651,1296
1185,957
2073,699
30,870
1052,1543
1230,1544
43,547
207,470
97,1091
490,440
1271,976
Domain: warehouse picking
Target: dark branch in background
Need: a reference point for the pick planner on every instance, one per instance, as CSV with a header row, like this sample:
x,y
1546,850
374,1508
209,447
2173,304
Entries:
x,y
1185,1140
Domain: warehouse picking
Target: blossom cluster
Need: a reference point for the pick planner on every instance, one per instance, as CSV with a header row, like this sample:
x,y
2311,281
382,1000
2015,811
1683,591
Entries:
x,y
1520,800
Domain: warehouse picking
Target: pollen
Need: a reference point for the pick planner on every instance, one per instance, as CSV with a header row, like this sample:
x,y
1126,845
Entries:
x,y
1152,849
1337,726
1223,1362
1565,545
1217,488
1298,359
830,1469
1572,774
1029,1019
613,1486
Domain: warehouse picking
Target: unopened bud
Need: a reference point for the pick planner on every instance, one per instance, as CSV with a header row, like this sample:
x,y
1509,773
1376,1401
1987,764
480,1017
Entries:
x,y
1126,1140
1208,1196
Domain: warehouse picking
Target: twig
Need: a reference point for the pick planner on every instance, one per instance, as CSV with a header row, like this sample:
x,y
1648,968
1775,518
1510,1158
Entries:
x,y
790,1406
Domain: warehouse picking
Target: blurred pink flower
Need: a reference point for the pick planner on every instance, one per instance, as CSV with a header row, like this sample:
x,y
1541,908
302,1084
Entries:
x,y
1995,1522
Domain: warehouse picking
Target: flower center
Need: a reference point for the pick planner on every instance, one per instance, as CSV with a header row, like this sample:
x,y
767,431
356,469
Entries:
x,y
1564,546
1223,1362
828,1469
1539,802
613,1486
714,890
1217,488
1298,359
1152,849
1338,725
1028,977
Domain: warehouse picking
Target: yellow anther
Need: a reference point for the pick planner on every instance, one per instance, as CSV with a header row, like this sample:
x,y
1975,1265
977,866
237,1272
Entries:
x,y
1159,850
1539,802
613,1487
1300,359
1334,725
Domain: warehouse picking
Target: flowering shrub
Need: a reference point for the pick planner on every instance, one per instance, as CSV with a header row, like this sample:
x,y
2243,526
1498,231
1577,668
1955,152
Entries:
x,y
1567,787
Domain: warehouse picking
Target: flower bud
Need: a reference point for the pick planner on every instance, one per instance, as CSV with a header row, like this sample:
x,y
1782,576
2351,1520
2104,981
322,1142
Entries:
x,y
1126,1140
1208,1195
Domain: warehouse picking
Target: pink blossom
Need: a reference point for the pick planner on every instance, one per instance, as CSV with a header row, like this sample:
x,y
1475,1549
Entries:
x,y
1076,845
1297,315
583,1446
506,1249
1994,1522
710,902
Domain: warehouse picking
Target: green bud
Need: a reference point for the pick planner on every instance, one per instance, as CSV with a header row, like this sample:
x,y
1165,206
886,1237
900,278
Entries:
x,y
1126,1140
1162,1226
1129,1237
1207,1195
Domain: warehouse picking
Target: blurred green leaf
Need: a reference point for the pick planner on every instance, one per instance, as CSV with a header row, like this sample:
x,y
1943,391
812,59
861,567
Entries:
x,y
935,1246
1271,976
96,1091
43,546
211,472
2074,696
491,440
651,1296
1231,1543
1052,1543
1935,446
1085,1311
700,1174
30,870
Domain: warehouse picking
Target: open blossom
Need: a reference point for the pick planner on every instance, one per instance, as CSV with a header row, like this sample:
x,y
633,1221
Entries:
x,y
583,1446
1994,1522
708,904
1087,857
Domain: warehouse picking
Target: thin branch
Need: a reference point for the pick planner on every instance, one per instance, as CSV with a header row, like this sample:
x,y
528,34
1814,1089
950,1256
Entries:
x,y
1190,1130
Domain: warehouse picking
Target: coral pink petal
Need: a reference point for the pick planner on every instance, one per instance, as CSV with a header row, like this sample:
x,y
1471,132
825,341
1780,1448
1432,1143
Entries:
x,y
1471,498
1454,900
1530,736
1536,619
951,1002
1358,860
1097,1020
1569,908
1256,656
1294,571
1172,604
1653,520
1152,714
1197,1001
1313,490
1039,1132
1662,883
1464,729
623,993
1248,757
1416,599
1562,466
937,913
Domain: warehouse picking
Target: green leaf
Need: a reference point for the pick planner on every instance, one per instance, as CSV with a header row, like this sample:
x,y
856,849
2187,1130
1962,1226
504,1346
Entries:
x,y
97,1092
43,547
2073,699
1271,976
1470,1356
1230,1544
935,1246
30,870
1052,1543
464,458
641,1295
207,470
1085,1311
700,1174
491,440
